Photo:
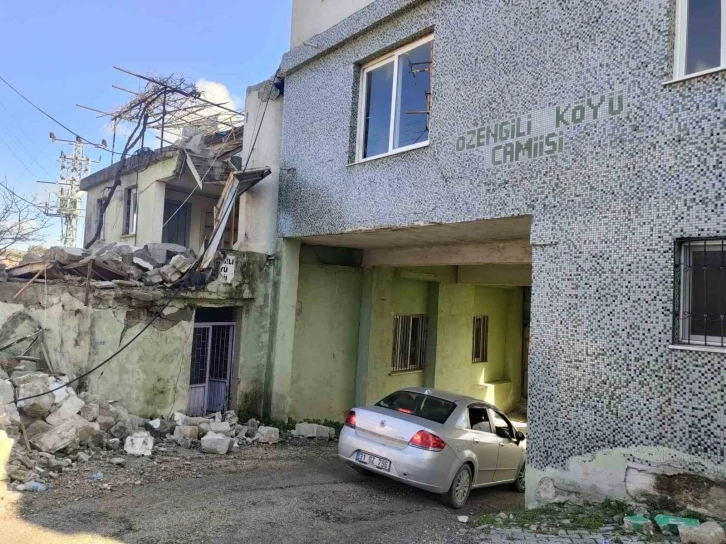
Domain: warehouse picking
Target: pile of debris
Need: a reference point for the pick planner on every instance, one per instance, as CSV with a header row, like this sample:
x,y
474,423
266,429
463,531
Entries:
x,y
107,266
56,428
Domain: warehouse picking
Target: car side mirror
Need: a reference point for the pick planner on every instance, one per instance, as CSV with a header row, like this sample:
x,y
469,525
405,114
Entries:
x,y
519,435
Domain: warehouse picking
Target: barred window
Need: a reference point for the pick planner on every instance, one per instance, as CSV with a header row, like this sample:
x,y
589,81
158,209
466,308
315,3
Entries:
x,y
481,339
409,342
700,292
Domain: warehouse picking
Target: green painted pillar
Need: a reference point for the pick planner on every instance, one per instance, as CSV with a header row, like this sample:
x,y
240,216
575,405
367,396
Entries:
x,y
283,323
375,337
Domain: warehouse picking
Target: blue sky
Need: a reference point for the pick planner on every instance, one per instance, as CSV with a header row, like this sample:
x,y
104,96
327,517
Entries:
x,y
62,53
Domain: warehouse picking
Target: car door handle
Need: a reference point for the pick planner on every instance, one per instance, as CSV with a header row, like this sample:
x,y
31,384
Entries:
x,y
501,444
476,441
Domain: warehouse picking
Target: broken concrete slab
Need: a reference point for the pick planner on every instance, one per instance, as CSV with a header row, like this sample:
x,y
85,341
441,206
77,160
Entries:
x,y
95,439
65,255
69,407
181,263
268,435
178,418
143,259
6,446
56,438
37,427
195,420
204,428
163,252
140,444
169,273
216,443
152,277
706,533
21,377
313,430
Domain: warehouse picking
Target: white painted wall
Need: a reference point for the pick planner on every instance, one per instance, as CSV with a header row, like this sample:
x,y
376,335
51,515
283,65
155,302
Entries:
x,y
311,17
258,206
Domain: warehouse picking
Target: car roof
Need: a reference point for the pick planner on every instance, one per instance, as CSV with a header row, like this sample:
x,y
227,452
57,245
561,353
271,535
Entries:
x,y
448,395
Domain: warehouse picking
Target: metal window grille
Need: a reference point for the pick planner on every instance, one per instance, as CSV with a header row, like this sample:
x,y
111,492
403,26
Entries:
x,y
481,339
699,301
409,342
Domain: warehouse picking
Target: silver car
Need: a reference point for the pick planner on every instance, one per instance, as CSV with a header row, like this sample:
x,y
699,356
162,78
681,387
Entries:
x,y
434,440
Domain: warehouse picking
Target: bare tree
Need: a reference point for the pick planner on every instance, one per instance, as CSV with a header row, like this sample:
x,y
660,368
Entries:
x,y
22,222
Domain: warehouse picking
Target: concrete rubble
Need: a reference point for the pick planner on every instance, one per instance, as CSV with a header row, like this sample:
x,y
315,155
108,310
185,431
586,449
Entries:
x,y
63,429
118,265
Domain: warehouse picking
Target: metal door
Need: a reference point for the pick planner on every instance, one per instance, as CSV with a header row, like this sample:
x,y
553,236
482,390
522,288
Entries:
x,y
212,349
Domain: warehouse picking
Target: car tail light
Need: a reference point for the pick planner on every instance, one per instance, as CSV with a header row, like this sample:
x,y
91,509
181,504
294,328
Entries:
x,y
427,441
350,420
405,410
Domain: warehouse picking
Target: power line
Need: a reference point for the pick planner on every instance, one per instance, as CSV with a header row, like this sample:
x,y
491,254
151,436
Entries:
x,y
176,292
49,116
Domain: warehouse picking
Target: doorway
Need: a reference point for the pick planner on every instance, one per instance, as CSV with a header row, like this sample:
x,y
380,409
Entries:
x,y
212,352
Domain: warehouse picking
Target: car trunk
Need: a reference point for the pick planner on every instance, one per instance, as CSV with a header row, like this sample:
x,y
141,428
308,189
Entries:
x,y
389,427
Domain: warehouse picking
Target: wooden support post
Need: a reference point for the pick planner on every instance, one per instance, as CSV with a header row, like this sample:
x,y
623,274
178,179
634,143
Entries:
x,y
31,281
22,425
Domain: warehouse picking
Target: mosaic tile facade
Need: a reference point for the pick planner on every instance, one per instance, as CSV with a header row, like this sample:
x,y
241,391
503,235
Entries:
x,y
605,210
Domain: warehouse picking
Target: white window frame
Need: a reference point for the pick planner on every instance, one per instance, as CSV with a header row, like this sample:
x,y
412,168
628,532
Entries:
x,y
131,210
681,41
393,56
685,337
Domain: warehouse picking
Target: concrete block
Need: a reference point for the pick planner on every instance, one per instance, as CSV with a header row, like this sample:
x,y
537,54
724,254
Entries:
x,y
706,533
222,428
105,422
169,273
140,444
36,407
121,430
216,443
268,435
162,252
6,446
152,277
9,416
673,523
65,255
7,392
69,407
159,428
89,412
181,263
144,260
189,432
37,427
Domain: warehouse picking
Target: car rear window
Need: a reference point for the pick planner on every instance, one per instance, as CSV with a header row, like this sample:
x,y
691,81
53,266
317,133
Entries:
x,y
417,404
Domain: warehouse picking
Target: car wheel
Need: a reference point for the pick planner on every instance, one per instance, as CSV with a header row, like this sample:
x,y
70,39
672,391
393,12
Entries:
x,y
458,493
519,482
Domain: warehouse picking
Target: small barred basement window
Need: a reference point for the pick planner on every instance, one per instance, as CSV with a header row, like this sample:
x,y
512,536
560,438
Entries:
x,y
481,337
409,342
700,292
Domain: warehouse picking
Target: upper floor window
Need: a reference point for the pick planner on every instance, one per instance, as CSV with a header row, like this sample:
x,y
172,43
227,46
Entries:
x,y
396,101
700,301
130,211
700,36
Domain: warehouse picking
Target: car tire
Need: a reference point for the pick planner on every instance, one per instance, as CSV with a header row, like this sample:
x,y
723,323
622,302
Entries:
x,y
458,493
518,484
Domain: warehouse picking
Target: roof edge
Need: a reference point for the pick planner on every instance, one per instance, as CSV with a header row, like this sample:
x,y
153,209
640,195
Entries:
x,y
374,14
133,163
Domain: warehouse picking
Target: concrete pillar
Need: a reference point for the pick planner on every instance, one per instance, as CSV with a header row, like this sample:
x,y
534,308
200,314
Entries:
x,y
375,333
258,206
283,323
513,350
150,213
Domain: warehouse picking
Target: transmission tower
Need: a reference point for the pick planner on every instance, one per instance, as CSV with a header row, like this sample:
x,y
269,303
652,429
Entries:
x,y
66,202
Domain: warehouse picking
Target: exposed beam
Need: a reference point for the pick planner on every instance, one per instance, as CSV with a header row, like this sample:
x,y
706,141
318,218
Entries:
x,y
509,252
512,275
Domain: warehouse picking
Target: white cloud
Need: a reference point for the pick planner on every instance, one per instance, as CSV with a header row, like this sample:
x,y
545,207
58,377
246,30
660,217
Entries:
x,y
216,92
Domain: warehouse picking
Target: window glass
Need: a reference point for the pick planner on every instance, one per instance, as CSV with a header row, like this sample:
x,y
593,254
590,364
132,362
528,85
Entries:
x,y
420,405
413,92
703,35
479,420
379,89
708,289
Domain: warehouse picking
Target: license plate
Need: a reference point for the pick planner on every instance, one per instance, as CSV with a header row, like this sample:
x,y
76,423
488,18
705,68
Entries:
x,y
373,460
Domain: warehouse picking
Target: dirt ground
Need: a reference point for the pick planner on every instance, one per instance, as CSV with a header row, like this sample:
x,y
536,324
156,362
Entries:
x,y
297,491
